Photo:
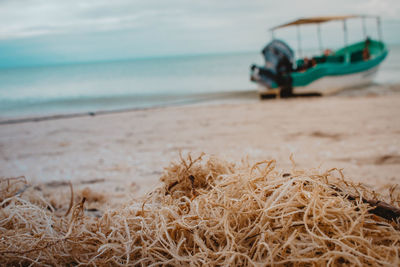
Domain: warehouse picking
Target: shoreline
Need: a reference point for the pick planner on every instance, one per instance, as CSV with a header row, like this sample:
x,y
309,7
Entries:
x,y
195,99
206,98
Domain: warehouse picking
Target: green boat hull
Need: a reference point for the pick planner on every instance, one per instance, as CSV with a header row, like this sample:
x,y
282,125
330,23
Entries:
x,y
346,61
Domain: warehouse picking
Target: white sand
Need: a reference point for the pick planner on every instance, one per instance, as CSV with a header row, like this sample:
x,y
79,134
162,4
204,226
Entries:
x,y
129,150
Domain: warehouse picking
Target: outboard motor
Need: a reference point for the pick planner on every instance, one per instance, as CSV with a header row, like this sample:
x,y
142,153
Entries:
x,y
278,66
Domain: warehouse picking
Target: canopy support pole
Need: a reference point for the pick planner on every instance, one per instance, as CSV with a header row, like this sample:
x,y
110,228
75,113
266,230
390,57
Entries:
x,y
364,27
299,41
272,34
319,37
378,23
345,32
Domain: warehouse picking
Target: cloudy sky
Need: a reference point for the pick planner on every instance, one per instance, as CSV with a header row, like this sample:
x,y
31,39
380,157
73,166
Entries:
x,y
57,31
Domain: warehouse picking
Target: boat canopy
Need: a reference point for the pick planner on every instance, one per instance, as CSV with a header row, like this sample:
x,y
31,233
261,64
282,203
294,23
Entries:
x,y
317,20
322,19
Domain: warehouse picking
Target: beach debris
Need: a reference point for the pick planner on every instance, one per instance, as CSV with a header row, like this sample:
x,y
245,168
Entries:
x,y
93,181
380,208
92,196
12,186
208,211
56,183
71,201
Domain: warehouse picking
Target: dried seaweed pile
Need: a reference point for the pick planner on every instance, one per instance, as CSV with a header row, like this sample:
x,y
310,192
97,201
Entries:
x,y
208,211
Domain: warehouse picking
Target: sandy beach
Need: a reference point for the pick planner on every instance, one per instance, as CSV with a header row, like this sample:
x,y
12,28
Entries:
x,y
123,155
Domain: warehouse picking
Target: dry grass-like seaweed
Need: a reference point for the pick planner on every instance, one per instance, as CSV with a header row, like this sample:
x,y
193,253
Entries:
x,y
210,212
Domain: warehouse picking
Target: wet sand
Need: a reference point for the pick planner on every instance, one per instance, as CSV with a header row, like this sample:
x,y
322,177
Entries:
x,y
123,154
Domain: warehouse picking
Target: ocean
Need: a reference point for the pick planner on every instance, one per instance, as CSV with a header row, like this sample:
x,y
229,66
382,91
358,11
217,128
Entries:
x,y
139,83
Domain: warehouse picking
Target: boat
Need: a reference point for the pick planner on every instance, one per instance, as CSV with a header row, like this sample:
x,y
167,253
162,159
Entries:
x,y
353,65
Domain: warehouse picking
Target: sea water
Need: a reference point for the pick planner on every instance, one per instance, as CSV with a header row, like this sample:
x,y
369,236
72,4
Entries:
x,y
137,83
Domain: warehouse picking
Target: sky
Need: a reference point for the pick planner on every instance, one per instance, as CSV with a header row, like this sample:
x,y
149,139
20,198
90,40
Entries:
x,y
39,32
